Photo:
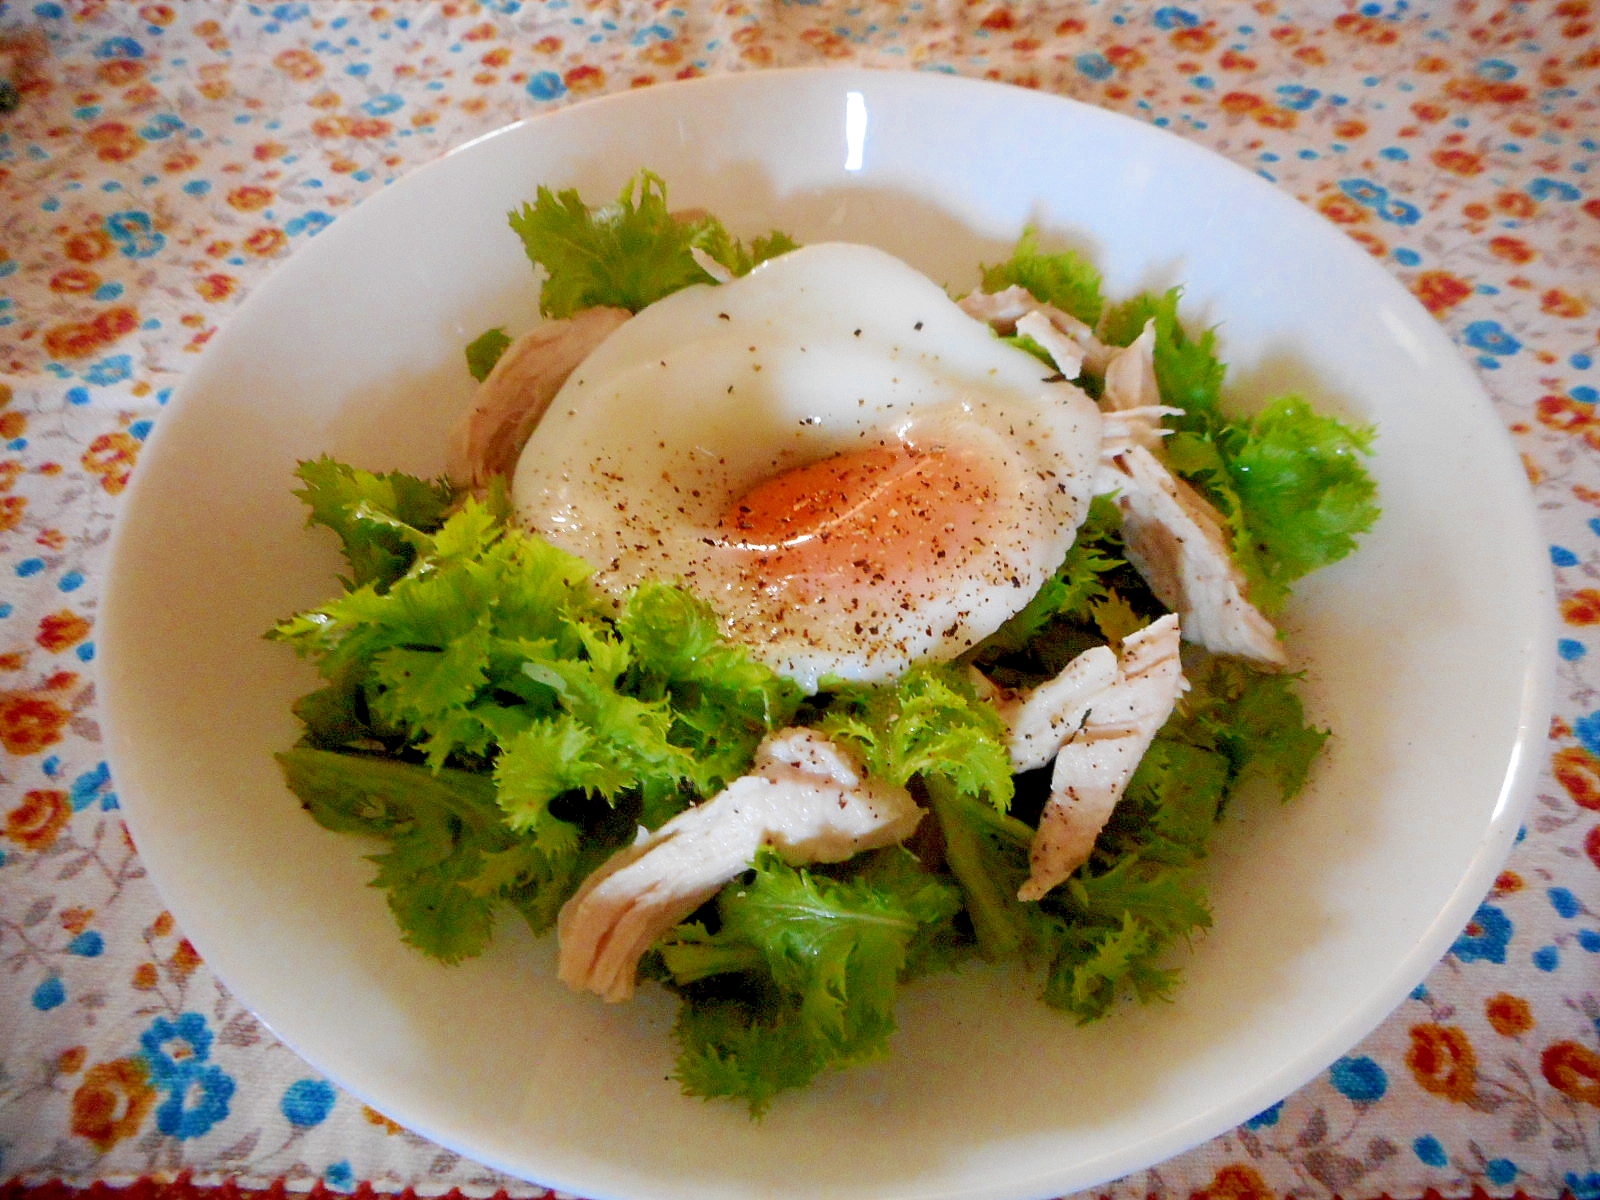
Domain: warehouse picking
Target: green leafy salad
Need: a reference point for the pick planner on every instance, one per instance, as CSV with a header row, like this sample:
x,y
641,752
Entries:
x,y
505,726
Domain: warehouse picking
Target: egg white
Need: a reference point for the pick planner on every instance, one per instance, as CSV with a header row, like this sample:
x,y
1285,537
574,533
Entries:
x,y
833,349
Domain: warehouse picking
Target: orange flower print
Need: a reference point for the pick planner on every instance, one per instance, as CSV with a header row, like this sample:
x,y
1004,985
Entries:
x,y
114,141
111,456
112,1102
74,281
368,127
1578,771
76,920
1491,91
1342,210
585,79
214,83
1582,607
216,286
1573,1070
1509,1015
1513,250
63,629
1442,1061
12,509
1368,29
89,246
1458,162
298,64
29,723
1374,244
120,72
1440,291
1563,304
266,241
661,54
1516,204
1566,414
374,1117
1277,118
1236,1181
250,198
184,959
39,819
1196,39
1507,882
78,339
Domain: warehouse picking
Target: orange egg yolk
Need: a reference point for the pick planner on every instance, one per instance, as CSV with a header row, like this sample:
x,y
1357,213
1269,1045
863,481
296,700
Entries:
x,y
887,514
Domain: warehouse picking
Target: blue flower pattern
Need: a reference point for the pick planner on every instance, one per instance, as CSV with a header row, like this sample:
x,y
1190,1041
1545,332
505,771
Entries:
x,y
196,1092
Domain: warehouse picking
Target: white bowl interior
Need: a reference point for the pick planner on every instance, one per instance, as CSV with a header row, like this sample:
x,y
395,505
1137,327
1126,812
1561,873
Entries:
x,y
1427,653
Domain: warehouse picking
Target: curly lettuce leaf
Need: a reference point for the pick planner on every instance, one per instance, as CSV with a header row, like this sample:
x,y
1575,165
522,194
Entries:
x,y
1065,279
382,520
827,956
1254,719
451,861
485,350
1302,486
491,651
987,853
930,724
628,254
1142,891
723,702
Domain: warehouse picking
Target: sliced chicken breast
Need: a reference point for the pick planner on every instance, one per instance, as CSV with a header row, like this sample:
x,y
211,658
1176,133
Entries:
x,y
1101,751
488,439
1004,311
1043,718
1175,539
1131,397
805,797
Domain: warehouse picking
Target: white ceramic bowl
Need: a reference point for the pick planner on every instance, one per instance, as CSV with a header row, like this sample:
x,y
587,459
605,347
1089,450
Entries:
x,y
1427,653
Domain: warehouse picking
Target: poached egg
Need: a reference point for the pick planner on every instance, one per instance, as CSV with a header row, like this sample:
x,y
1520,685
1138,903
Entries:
x,y
854,473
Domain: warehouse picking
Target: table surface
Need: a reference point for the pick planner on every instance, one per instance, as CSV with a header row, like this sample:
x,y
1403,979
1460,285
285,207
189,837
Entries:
x,y
165,158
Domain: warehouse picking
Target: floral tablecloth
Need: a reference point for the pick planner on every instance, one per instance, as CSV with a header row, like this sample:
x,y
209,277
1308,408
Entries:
x,y
161,160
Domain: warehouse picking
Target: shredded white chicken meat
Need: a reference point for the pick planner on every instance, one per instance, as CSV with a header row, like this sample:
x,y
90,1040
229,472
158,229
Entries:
x,y
489,438
710,266
1042,719
1105,734
1066,353
1175,540
805,797
1004,310
1131,394
1173,536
